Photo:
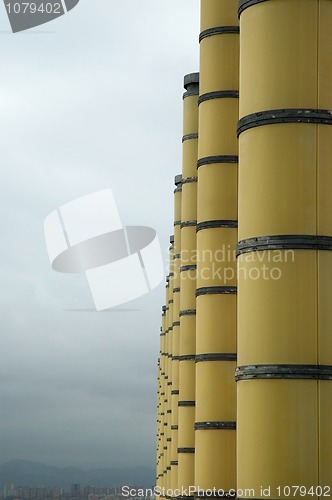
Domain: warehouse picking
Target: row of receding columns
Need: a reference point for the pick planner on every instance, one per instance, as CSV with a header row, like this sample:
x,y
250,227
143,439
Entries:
x,y
245,392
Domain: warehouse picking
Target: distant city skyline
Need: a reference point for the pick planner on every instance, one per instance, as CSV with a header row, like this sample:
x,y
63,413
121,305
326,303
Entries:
x,y
27,474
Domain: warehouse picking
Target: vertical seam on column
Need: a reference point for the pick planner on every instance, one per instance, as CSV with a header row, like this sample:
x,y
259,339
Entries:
x,y
318,251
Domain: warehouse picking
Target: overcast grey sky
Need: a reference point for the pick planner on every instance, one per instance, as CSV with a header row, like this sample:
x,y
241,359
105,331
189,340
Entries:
x,y
89,101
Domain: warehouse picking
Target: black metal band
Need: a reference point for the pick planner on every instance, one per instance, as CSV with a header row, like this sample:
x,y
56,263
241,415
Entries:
x,y
186,450
177,223
218,94
170,302
208,160
175,358
190,93
219,30
212,224
174,462
285,242
224,356
310,372
187,357
244,4
163,333
188,137
185,404
290,115
175,392
216,290
202,426
176,323
188,223
176,290
191,267
188,180
188,312
168,468
174,427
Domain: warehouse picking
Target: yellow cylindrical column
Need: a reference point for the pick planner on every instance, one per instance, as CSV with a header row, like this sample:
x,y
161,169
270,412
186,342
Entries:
x,y
215,464
187,347
161,404
176,332
169,357
284,253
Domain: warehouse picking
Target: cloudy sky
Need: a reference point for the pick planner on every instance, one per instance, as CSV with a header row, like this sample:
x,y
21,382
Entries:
x,y
90,101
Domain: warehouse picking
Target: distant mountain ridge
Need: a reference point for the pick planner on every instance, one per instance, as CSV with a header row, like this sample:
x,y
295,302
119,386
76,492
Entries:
x,y
27,473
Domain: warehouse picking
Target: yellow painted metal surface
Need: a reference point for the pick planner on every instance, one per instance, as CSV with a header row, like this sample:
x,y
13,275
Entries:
x,y
278,56
177,219
216,13
324,307
217,192
277,180
216,316
277,307
187,382
189,155
277,435
217,127
189,204
188,290
215,403
187,337
325,433
216,265
190,114
216,463
285,179
188,246
186,470
324,178
187,284
325,55
224,49
216,262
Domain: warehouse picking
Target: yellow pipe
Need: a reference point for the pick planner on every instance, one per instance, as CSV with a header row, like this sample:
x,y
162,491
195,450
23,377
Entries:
x,y
186,413
176,332
215,435
169,366
285,261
